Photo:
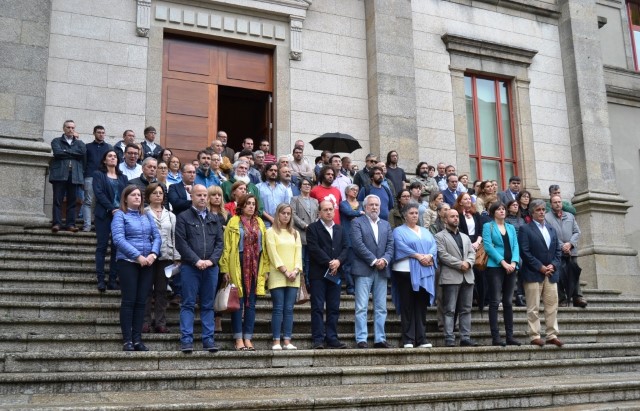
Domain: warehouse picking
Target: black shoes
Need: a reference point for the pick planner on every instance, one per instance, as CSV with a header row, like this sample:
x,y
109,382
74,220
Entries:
x,y
468,343
513,341
102,287
498,343
139,346
381,344
363,344
186,348
520,301
208,345
449,343
336,345
128,346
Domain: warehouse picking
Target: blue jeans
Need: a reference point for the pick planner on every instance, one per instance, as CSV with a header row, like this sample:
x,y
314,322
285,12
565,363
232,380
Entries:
x,y
87,202
62,189
201,283
377,285
240,328
282,315
135,284
103,234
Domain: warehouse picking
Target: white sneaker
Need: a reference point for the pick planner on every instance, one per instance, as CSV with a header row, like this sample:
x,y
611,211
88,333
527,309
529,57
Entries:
x,y
427,345
408,346
277,347
289,347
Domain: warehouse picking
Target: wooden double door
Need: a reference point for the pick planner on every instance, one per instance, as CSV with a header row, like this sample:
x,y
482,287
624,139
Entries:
x,y
209,86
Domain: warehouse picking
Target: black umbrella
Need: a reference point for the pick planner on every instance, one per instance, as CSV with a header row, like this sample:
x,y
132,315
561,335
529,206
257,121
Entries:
x,y
336,143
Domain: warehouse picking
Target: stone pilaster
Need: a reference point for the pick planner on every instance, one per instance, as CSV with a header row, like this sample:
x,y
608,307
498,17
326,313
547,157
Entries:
x,y
24,157
391,80
607,260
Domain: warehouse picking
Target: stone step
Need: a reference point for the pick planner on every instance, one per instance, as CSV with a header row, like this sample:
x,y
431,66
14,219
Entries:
x,y
46,249
580,392
66,341
409,372
73,362
107,305
49,281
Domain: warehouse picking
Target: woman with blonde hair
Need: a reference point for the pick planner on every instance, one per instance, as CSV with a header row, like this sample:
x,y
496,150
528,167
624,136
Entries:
x,y
245,263
216,204
486,197
285,254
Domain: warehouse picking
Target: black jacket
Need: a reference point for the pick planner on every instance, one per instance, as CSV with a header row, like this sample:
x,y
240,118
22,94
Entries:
x,y
103,192
322,248
198,239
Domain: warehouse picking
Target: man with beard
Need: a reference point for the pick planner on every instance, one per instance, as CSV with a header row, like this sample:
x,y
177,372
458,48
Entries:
x,y
395,174
299,167
428,183
325,190
204,175
378,189
241,173
272,193
284,176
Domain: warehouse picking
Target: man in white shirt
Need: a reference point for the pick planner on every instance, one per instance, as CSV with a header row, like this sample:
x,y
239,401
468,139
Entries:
x,y
130,166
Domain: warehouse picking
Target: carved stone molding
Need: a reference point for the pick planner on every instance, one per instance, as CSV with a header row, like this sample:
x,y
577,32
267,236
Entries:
x,y
482,49
535,7
143,21
296,38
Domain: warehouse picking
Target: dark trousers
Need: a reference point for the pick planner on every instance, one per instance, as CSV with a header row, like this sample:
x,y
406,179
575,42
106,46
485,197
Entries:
x,y
565,278
324,292
62,189
501,287
413,309
157,298
103,234
135,282
346,272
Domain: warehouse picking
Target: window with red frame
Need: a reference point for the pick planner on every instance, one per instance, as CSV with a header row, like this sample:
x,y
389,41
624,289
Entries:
x,y
492,152
633,9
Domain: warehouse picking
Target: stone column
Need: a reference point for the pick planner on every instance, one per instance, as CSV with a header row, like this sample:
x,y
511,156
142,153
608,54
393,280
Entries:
x,y
391,80
606,258
24,157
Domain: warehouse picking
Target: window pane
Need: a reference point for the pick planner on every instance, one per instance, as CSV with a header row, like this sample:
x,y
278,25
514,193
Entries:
x,y
635,14
471,131
487,118
508,172
473,166
636,38
506,120
491,170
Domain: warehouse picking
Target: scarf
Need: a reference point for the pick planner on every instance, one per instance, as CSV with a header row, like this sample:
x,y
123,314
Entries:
x,y
251,253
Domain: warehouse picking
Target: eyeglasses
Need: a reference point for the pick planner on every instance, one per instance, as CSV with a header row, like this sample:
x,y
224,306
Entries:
x,y
163,168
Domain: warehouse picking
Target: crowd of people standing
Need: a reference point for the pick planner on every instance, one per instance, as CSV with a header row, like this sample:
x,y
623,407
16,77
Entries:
x,y
268,224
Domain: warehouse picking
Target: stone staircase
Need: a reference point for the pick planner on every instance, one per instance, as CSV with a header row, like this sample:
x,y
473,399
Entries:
x,y
60,348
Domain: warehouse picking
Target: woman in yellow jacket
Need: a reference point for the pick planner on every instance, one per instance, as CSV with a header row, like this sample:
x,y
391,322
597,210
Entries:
x,y
285,255
244,262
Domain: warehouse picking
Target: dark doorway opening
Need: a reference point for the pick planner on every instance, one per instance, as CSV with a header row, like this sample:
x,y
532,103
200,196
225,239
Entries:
x,y
244,113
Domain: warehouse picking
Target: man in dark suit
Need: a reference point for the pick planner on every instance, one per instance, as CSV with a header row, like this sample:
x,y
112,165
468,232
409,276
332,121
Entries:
x,y
540,251
149,147
180,193
510,193
372,242
327,249
451,194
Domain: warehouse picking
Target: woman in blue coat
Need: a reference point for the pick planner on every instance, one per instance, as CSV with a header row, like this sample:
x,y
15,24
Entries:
x,y
108,185
138,240
501,246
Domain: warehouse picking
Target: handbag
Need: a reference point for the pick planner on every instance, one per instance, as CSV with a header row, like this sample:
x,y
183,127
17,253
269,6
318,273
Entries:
x,y
227,300
303,295
481,258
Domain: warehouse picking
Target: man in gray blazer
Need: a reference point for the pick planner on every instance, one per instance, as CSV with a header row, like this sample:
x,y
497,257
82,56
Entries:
x,y
456,256
372,242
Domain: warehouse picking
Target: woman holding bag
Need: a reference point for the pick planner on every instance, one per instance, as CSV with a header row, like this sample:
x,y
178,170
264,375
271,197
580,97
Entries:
x,y
138,241
244,262
166,223
501,246
285,254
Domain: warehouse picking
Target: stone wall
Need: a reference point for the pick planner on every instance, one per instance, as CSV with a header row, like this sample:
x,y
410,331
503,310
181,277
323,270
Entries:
x,y
97,69
432,19
329,85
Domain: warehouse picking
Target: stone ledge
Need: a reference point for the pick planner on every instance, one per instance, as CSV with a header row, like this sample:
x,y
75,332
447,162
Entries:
x,y
483,49
534,7
622,85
